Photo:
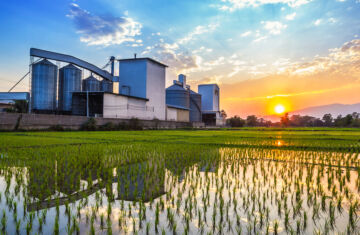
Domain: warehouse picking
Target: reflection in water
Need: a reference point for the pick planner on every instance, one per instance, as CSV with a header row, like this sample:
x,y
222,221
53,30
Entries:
x,y
217,191
279,143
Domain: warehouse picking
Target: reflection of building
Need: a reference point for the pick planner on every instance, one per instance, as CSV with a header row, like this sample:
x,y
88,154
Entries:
x,y
41,182
210,98
137,181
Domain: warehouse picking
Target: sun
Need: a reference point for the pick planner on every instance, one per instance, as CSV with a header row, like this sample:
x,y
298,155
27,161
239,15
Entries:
x,y
279,109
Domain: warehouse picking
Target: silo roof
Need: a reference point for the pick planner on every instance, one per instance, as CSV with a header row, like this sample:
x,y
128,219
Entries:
x,y
176,87
70,66
45,61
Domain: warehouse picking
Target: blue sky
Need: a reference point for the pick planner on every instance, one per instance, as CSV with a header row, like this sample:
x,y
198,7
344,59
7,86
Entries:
x,y
231,42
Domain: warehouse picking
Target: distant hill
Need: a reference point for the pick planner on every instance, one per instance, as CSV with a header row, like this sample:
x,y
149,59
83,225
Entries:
x,y
319,111
333,109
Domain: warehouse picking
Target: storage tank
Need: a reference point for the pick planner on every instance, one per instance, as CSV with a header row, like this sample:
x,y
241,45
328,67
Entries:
x,y
177,96
106,85
195,107
43,85
91,84
69,82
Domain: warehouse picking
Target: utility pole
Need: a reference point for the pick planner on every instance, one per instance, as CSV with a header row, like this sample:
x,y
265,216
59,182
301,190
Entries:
x,y
87,103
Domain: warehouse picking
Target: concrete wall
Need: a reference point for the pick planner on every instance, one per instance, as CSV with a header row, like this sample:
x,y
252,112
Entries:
x,y
155,89
26,121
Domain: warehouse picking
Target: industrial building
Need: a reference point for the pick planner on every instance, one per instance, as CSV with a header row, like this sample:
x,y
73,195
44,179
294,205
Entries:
x,y
138,91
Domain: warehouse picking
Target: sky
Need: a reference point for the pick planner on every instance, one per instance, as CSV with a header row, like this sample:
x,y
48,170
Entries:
x,y
298,53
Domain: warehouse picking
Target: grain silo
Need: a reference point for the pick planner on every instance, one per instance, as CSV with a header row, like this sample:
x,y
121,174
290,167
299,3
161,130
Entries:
x,y
43,86
91,84
195,107
106,86
178,96
69,82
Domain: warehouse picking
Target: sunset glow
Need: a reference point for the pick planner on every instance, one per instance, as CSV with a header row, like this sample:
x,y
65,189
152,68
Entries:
x,y
279,109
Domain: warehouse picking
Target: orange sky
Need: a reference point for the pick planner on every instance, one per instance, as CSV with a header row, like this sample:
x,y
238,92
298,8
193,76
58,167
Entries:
x,y
333,78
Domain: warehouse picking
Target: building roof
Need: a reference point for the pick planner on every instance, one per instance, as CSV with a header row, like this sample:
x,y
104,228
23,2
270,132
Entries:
x,y
14,95
213,84
176,107
144,58
111,93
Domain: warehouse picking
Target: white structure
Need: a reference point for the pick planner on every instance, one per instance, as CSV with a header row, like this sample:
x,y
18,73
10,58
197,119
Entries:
x,y
210,104
178,114
121,106
144,78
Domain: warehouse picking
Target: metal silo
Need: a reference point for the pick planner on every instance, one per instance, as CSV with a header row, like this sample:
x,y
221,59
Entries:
x,y
106,85
69,82
178,96
43,85
91,84
195,107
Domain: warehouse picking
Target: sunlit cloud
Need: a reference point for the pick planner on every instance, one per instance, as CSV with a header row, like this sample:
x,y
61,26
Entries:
x,y
199,30
290,16
274,27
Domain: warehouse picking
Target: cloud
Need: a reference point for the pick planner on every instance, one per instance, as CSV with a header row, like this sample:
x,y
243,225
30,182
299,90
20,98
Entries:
x,y
232,5
290,16
199,30
274,27
103,30
246,34
342,61
317,22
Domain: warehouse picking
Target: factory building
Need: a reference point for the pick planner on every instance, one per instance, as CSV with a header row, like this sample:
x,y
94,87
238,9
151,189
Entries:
x,y
210,104
141,90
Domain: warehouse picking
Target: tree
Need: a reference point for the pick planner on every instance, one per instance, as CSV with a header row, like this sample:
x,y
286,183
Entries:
x,y
20,106
285,121
223,113
235,121
328,119
251,120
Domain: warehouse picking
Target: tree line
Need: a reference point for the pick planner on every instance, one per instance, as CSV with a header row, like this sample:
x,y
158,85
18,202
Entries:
x,y
349,120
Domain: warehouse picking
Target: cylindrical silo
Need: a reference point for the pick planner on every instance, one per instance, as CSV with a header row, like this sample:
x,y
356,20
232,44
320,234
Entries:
x,y
106,86
195,107
43,86
91,84
69,82
178,96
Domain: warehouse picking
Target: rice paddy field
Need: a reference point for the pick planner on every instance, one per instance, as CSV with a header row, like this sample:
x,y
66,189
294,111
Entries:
x,y
243,181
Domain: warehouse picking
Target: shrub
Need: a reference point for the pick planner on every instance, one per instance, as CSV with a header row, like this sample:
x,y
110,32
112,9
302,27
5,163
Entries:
x,y
134,124
56,128
89,125
109,126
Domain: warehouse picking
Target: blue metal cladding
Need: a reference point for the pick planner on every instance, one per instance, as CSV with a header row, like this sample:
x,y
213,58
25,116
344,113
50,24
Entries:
x,y
106,86
43,85
195,107
91,84
178,96
69,82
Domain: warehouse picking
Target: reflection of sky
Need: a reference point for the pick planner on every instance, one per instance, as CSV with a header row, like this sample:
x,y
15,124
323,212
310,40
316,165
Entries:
x,y
254,49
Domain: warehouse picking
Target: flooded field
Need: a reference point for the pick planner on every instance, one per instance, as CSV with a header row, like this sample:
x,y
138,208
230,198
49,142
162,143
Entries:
x,y
180,182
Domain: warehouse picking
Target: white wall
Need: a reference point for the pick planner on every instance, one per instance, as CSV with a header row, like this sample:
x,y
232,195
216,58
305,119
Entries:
x,y
155,89
117,106
171,114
